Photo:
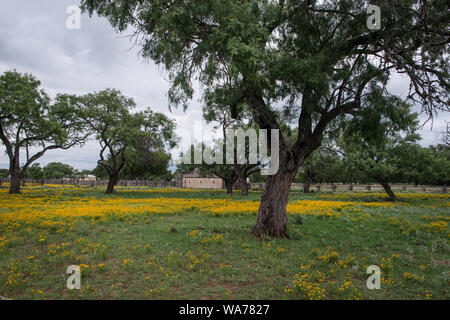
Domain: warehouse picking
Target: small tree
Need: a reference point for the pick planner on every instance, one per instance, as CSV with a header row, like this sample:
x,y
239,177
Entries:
x,y
375,141
29,119
426,165
323,165
440,165
119,132
35,172
145,164
58,170
4,173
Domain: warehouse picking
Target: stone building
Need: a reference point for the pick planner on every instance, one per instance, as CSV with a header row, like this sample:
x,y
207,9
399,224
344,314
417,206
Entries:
x,y
195,180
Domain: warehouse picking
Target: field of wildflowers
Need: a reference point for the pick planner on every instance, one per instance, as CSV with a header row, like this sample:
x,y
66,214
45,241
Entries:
x,y
196,244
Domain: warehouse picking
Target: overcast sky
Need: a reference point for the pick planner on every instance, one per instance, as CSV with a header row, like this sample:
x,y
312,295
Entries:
x,y
34,38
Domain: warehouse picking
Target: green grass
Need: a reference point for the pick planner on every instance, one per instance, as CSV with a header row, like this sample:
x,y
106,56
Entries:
x,y
145,252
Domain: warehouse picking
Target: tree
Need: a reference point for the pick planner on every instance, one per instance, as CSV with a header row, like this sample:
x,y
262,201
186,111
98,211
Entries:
x,y
30,119
84,173
35,172
58,170
100,172
426,165
148,165
377,140
122,133
4,173
440,166
324,165
318,57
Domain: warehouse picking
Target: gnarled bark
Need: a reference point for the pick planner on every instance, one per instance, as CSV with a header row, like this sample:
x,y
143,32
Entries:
x,y
229,186
242,180
272,215
307,185
113,180
388,190
14,187
244,187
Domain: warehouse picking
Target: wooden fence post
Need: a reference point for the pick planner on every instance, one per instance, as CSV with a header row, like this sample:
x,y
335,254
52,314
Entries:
x,y
444,189
368,188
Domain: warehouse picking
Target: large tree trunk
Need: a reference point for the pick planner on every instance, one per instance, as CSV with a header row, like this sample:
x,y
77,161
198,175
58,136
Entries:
x,y
240,173
243,184
244,187
229,186
14,187
113,180
307,185
272,215
388,190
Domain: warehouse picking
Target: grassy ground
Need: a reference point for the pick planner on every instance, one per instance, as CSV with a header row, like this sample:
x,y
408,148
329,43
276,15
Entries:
x,y
176,244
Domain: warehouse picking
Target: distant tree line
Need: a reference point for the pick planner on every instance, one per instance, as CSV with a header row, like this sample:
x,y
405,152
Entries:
x,y
54,170
131,143
155,169
417,165
380,145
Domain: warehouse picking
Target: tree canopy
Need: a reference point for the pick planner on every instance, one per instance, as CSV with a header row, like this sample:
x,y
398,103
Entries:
x,y
142,165
30,120
121,133
58,170
376,140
